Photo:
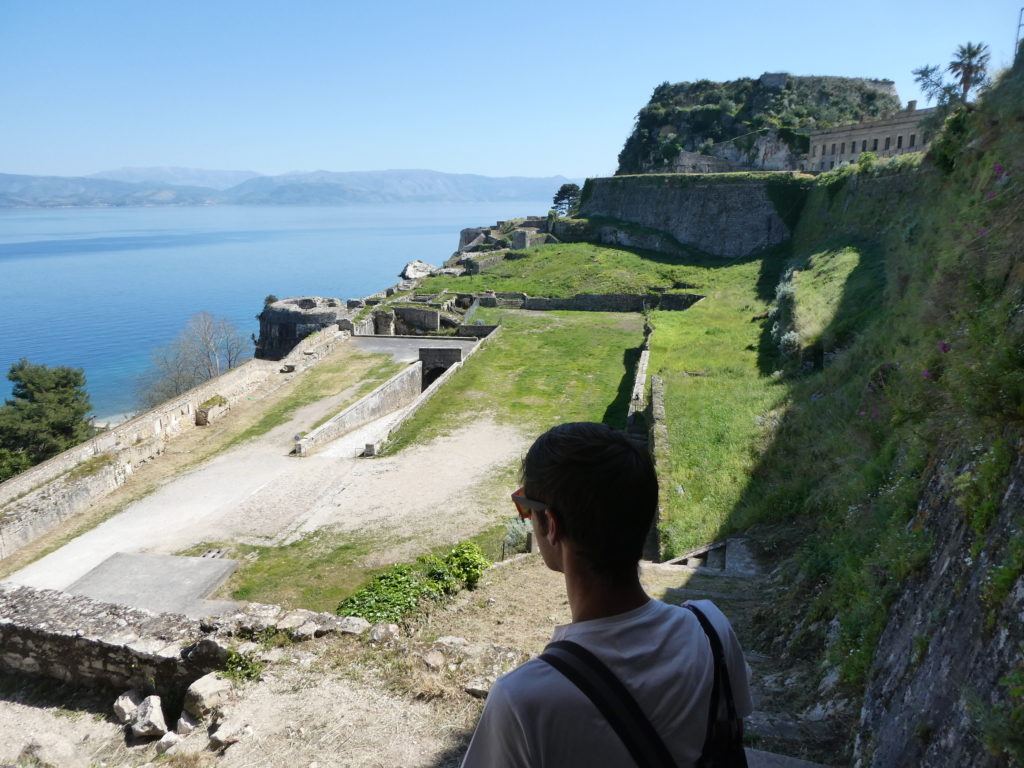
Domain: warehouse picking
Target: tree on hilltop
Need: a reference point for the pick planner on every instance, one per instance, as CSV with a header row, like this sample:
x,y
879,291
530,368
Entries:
x,y
969,65
48,412
207,347
567,199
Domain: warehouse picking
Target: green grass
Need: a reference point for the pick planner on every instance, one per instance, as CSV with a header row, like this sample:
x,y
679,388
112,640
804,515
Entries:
x,y
316,572
837,291
562,271
716,395
540,370
355,369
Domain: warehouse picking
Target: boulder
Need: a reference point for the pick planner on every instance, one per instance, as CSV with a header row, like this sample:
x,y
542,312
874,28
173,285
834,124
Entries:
x,y
382,632
167,741
351,625
417,269
149,718
206,694
229,732
126,705
186,724
433,659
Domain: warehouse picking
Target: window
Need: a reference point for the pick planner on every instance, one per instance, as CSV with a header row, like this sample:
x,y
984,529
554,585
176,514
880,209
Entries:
x,y
864,145
888,141
833,163
842,148
824,149
874,146
913,137
899,142
833,149
814,150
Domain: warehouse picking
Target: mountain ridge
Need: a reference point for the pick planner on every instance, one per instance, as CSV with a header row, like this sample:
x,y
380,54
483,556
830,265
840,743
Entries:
x,y
294,188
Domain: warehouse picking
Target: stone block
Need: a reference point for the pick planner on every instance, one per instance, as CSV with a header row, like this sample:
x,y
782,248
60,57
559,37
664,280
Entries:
x,y
206,694
148,719
126,705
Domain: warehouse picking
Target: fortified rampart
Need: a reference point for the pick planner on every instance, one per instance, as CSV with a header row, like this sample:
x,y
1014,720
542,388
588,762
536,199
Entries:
x,y
35,501
727,215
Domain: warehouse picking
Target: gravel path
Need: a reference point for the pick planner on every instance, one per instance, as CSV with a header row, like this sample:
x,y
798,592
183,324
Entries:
x,y
257,493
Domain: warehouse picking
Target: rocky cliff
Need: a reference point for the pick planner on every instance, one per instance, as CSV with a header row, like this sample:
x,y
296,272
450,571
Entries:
x,y
746,124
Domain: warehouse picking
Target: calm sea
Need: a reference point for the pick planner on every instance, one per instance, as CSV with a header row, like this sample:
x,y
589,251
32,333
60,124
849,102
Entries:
x,y
99,288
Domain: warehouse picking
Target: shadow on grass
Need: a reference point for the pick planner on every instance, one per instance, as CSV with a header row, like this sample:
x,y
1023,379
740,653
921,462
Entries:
x,y
616,412
861,300
452,757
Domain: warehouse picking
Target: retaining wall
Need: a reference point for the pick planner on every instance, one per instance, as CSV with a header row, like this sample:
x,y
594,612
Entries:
x,y
658,444
436,386
476,331
37,500
418,319
395,393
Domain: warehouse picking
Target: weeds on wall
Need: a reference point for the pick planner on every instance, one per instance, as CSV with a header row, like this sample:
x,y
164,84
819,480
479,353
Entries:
x,y
929,381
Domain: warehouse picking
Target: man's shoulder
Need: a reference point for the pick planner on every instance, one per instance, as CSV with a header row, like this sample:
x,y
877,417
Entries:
x,y
535,678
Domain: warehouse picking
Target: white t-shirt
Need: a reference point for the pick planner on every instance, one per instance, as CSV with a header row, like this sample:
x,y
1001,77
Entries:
x,y
535,716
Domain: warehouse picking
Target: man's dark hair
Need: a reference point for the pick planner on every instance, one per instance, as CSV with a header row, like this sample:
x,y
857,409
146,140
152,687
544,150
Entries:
x,y
602,487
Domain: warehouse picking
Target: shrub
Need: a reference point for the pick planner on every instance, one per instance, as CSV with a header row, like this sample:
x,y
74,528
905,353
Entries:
x,y
402,588
242,666
467,563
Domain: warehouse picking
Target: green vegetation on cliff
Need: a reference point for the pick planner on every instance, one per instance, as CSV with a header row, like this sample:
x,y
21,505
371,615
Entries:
x,y
694,117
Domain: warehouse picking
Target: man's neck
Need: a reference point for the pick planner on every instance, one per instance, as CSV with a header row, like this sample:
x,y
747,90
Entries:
x,y
594,598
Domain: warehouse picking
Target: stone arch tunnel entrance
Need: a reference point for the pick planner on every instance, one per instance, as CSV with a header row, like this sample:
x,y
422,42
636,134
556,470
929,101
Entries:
x,y
437,360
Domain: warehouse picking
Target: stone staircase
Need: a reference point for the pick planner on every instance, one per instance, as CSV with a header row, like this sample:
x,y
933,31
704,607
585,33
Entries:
x,y
727,573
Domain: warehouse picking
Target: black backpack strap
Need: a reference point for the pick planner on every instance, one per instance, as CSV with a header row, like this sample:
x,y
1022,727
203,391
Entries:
x,y
609,695
723,742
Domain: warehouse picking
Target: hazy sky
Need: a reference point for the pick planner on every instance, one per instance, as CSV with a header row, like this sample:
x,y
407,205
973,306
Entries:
x,y
531,89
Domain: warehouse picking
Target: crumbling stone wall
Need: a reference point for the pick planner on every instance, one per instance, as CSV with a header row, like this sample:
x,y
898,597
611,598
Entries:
x,y
83,641
285,323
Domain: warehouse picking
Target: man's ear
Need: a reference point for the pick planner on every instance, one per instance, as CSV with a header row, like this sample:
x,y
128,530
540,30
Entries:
x,y
554,530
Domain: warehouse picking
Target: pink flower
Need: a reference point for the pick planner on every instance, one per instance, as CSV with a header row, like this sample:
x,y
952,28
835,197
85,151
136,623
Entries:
x,y
991,195
927,374
945,346
982,231
862,413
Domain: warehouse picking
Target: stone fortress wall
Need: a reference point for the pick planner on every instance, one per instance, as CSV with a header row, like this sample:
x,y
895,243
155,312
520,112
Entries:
x,y
721,215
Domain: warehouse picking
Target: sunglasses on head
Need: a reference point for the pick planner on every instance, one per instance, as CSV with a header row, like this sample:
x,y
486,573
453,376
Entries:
x,y
526,507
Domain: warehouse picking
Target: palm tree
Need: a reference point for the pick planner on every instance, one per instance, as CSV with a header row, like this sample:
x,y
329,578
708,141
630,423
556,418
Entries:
x,y
969,65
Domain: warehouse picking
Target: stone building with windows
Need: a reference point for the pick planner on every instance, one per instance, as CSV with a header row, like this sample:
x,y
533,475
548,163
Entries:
x,y
891,136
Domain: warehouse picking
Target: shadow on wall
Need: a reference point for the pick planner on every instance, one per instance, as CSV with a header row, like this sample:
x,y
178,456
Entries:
x,y
616,412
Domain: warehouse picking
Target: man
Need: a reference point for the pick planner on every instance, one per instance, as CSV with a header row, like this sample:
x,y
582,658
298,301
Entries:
x,y
591,494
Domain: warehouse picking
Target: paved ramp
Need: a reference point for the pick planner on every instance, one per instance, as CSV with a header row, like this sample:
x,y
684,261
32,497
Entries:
x,y
159,583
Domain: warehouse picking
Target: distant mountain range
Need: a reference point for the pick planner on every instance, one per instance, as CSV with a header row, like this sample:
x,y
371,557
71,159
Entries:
x,y
188,186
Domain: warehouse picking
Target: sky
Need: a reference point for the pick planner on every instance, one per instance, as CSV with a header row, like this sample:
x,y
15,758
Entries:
x,y
531,89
